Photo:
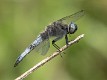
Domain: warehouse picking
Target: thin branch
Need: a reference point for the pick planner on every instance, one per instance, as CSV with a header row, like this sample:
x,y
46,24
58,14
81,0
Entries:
x,y
38,65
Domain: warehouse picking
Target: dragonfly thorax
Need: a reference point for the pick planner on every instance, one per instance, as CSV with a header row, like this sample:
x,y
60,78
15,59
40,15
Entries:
x,y
72,28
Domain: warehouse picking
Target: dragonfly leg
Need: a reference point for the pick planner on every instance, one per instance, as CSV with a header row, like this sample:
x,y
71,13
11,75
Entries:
x,y
53,43
66,39
56,46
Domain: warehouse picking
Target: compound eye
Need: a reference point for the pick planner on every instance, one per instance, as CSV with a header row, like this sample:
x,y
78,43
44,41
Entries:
x,y
72,28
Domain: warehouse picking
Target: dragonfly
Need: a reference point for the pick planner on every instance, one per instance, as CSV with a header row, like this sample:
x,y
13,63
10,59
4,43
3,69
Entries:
x,y
58,29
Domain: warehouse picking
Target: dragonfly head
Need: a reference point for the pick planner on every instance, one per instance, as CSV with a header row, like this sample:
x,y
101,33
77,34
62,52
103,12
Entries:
x,y
72,28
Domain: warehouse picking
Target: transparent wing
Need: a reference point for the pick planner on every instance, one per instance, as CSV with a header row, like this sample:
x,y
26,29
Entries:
x,y
43,47
72,18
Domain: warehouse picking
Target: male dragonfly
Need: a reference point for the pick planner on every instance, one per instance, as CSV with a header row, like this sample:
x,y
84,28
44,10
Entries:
x,y
57,29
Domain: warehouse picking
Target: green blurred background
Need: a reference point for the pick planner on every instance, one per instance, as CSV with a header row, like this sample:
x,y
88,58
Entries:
x,y
22,20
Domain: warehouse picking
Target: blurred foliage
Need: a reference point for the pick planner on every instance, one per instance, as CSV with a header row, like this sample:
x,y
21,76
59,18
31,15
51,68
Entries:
x,y
22,20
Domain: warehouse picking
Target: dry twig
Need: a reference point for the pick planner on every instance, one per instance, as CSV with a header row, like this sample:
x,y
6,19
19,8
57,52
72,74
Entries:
x,y
38,65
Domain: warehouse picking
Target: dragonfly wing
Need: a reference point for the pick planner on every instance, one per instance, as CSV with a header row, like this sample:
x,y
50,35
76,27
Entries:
x,y
43,47
72,18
